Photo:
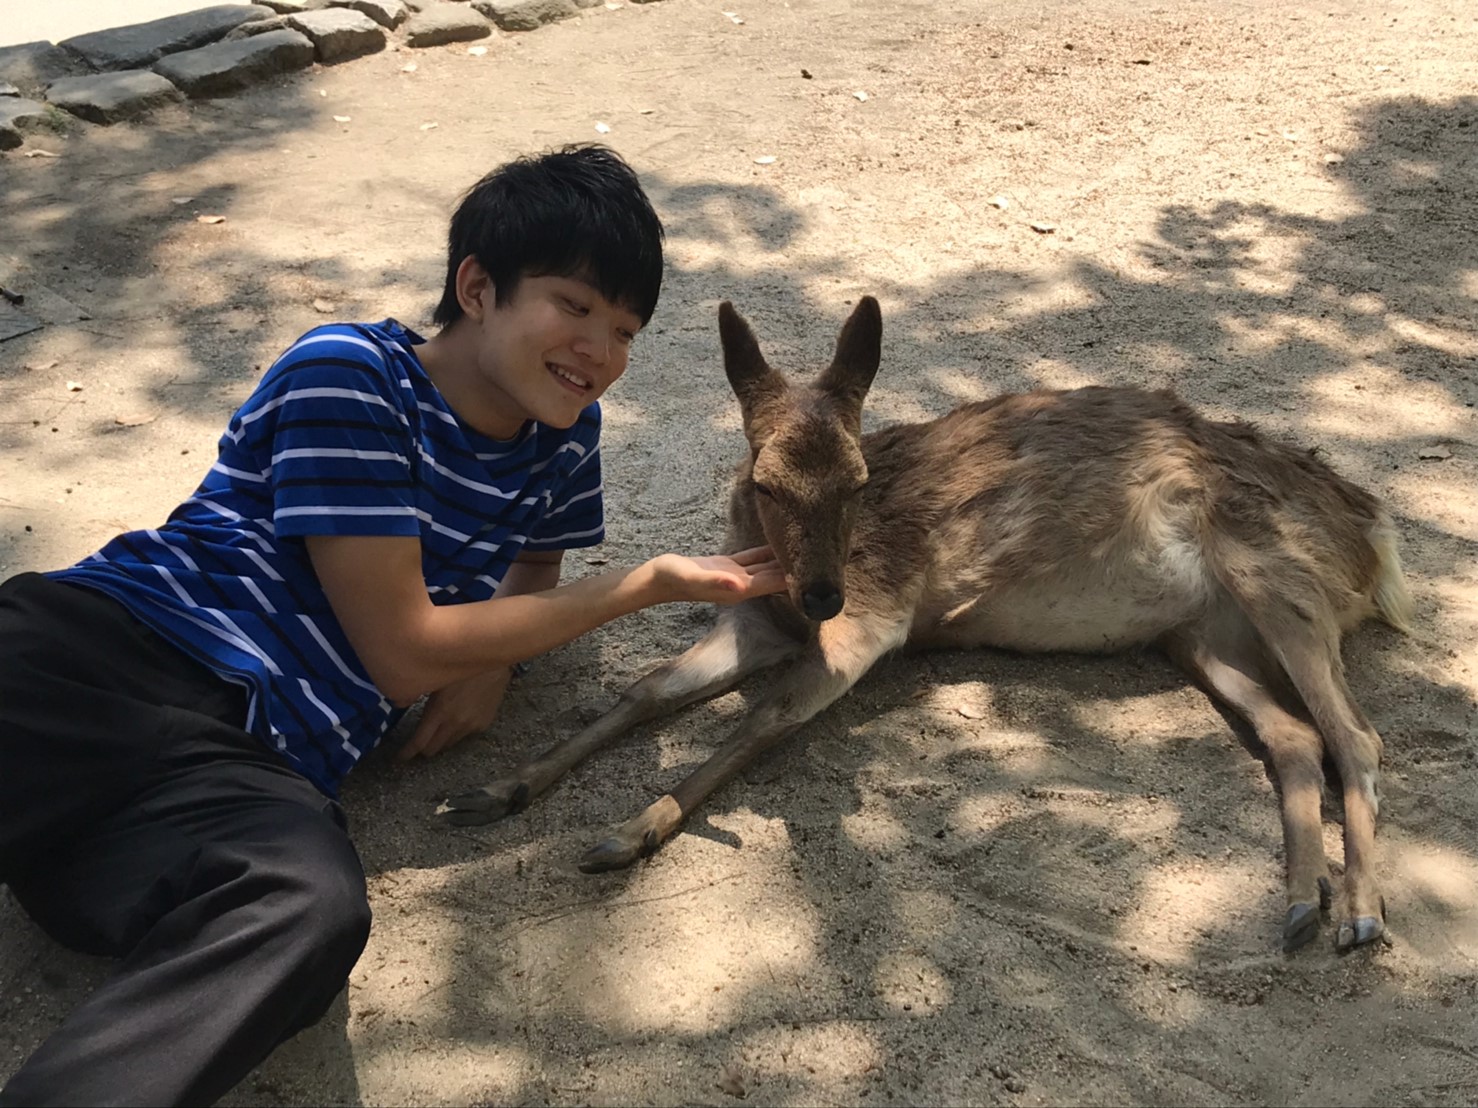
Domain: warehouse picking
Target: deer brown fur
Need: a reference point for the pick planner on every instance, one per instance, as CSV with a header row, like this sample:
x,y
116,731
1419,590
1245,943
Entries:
x,y
1091,520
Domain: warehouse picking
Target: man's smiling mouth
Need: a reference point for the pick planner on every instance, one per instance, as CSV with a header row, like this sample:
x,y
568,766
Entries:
x,y
571,378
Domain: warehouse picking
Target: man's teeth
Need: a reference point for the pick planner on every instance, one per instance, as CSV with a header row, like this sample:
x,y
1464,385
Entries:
x,y
568,376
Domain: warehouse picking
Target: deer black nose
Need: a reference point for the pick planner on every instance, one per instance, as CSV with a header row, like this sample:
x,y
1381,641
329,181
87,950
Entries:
x,y
821,600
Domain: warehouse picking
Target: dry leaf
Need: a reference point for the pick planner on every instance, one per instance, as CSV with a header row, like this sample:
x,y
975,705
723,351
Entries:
x,y
765,159
477,51
1044,228
730,1082
323,92
428,126
1333,159
325,306
645,111
342,118
41,154
1000,202
734,17
135,420
210,219
42,365
74,386
860,95
970,711
180,199
409,67
1435,453
603,128
596,561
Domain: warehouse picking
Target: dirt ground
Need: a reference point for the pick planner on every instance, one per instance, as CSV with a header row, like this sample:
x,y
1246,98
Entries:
x,y
980,878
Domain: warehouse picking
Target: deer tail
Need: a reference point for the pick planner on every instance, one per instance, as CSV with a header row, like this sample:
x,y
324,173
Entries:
x,y
1392,600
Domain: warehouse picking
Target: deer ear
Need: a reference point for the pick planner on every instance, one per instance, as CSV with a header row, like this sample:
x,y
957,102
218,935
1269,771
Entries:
x,y
859,351
751,377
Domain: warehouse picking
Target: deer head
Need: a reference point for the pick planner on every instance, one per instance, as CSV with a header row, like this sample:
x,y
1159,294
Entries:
x,y
807,470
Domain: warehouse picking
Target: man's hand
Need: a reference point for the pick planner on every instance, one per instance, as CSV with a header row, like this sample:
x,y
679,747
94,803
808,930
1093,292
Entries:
x,y
451,714
719,578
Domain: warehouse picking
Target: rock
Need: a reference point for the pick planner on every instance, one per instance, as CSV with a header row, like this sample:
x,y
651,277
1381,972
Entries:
x,y
140,44
32,66
387,13
18,115
256,27
110,97
338,34
524,15
439,24
7,89
229,67
295,7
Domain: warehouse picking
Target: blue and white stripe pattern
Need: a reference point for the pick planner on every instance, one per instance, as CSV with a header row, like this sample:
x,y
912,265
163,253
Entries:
x,y
344,435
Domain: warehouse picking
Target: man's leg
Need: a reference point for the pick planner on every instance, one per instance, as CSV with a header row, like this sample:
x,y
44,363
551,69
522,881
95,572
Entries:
x,y
238,908
138,820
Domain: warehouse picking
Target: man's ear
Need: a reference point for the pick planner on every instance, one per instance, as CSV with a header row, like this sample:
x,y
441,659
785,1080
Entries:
x,y
475,291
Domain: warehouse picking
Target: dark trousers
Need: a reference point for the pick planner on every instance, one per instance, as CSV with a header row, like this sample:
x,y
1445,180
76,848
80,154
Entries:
x,y
138,820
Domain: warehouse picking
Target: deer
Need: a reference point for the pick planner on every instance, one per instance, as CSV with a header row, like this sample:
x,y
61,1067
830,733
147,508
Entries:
x,y
1092,520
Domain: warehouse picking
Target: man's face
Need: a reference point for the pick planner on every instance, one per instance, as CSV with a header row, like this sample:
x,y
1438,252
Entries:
x,y
551,349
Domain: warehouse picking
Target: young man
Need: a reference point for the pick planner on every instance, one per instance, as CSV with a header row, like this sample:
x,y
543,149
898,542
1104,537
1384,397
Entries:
x,y
384,522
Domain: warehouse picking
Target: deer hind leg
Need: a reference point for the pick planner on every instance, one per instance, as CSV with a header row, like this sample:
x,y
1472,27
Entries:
x,y
744,640
1227,657
845,649
1309,652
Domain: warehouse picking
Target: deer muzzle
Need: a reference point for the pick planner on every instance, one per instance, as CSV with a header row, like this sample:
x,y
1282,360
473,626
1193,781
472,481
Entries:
x,y
821,600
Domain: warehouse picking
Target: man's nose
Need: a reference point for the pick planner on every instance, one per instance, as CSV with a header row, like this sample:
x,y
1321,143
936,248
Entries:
x,y
594,345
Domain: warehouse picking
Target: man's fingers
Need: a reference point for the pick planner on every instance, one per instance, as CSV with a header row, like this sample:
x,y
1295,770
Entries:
x,y
755,555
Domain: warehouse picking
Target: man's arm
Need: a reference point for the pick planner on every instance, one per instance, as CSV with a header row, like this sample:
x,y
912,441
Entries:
x,y
411,647
469,706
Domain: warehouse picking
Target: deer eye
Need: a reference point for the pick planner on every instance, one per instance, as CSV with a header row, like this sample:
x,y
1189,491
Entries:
x,y
763,490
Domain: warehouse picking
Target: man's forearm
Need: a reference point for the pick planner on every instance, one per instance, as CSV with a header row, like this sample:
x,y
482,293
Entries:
x,y
454,641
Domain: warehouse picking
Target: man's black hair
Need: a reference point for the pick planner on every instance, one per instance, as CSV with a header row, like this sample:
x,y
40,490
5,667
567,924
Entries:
x,y
575,212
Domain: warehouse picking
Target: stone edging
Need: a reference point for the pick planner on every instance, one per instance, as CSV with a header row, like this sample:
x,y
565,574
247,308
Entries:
x,y
126,72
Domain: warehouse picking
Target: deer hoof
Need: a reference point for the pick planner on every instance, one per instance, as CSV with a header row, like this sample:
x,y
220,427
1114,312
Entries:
x,y
609,854
1358,931
484,805
1300,925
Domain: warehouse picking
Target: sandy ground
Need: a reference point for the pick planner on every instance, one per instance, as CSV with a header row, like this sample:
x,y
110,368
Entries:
x,y
980,878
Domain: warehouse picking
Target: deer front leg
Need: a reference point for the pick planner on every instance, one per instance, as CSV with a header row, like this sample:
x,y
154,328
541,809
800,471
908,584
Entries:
x,y
845,649
743,640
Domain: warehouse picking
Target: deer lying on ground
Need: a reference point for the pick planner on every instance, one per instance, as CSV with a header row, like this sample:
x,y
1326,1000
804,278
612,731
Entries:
x,y
1091,520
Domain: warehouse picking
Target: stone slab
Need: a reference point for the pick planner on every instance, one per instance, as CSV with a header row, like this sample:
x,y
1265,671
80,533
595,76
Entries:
x,y
228,67
111,97
18,115
524,15
339,34
138,45
256,27
441,23
294,7
387,13
32,66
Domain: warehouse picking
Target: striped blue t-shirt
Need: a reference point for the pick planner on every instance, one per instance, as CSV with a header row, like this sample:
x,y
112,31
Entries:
x,y
344,435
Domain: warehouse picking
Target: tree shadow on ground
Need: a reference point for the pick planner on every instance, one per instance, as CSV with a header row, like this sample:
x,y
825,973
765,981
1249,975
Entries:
x,y
908,880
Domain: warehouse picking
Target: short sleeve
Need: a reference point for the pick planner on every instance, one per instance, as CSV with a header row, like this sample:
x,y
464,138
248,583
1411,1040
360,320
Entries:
x,y
576,515
331,425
